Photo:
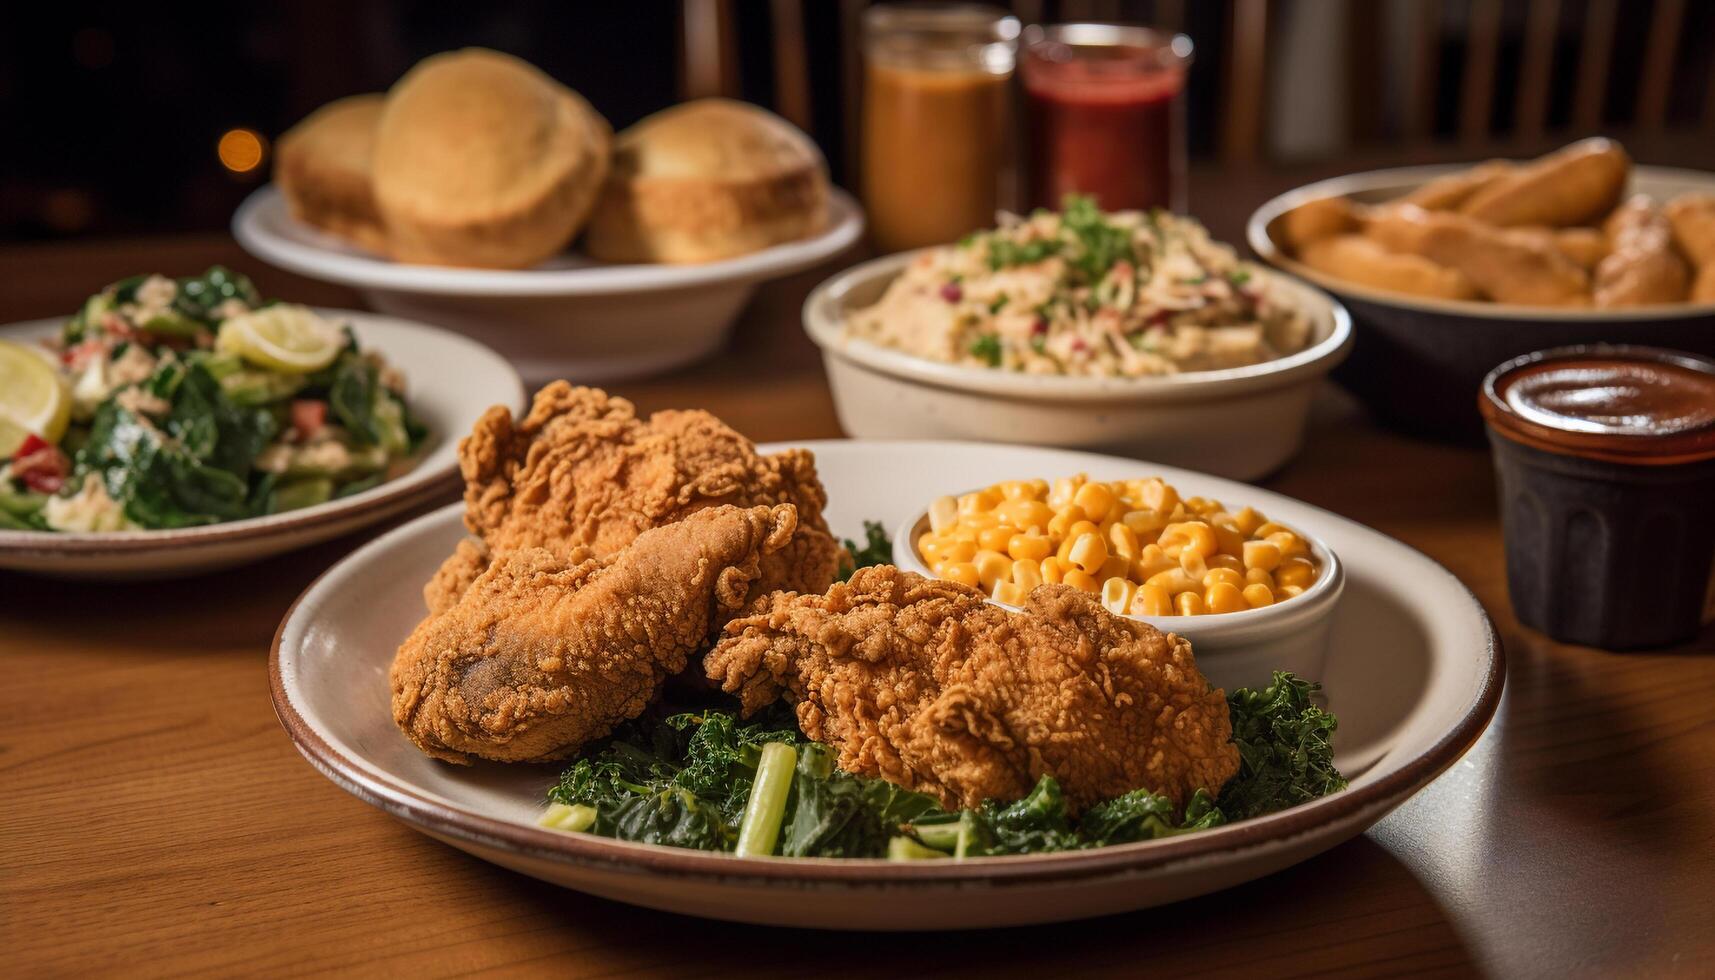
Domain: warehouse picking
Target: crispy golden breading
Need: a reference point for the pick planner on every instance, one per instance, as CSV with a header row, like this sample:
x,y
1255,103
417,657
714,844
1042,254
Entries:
x,y
1643,268
1506,267
923,683
582,470
545,651
1575,185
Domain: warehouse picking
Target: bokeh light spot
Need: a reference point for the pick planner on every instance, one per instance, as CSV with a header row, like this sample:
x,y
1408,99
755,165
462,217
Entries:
x,y
241,150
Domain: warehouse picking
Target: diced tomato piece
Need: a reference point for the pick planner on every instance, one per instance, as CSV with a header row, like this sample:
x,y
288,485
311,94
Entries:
x,y
308,417
78,356
39,465
116,326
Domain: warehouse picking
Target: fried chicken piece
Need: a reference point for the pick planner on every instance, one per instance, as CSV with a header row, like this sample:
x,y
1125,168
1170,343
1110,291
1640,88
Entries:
x,y
581,469
923,683
547,650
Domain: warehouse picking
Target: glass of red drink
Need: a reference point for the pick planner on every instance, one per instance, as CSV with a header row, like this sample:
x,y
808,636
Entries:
x,y
1105,108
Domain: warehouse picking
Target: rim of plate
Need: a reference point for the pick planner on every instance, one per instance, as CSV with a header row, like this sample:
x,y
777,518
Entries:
x,y
399,799
414,486
1403,179
325,258
824,319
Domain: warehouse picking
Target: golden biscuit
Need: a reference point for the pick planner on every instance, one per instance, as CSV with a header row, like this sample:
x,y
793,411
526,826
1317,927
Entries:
x,y
323,169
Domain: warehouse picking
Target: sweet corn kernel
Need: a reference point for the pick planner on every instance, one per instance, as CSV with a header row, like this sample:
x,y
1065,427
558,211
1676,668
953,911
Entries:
x,y
1006,592
1053,571
1064,489
1257,596
1081,580
1151,600
1247,520
1224,597
1114,567
1226,575
979,501
996,538
1193,564
960,532
1158,496
1189,604
1096,499
1146,568
1175,581
1123,541
1146,524
1225,561
1295,572
1228,540
1117,594
992,567
1027,513
929,546
1290,591
1061,523
1081,528
1256,576
1290,545
959,549
1264,555
943,514
1032,546
1027,573
977,520
1015,489
1038,488
1088,552
1267,528
962,572
1200,537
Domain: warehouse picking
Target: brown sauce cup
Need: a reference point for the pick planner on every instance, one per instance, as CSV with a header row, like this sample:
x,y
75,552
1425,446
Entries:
x,y
1605,461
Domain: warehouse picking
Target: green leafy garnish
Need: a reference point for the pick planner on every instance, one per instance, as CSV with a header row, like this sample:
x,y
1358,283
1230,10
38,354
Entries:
x,y
877,549
1286,756
987,348
998,303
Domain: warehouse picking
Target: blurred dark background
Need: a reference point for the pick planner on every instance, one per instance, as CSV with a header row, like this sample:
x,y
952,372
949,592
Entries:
x,y
115,112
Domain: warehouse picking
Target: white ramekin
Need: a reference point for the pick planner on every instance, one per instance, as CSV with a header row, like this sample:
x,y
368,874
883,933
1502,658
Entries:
x,y
1239,422
1233,650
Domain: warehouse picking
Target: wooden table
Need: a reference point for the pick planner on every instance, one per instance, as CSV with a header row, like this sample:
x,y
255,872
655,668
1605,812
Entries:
x,y
156,819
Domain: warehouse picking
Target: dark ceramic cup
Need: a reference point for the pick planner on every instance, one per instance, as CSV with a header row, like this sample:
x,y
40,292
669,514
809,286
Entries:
x,y
1605,459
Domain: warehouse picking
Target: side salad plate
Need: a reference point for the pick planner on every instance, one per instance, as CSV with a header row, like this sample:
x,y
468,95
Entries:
x,y
172,427
1413,673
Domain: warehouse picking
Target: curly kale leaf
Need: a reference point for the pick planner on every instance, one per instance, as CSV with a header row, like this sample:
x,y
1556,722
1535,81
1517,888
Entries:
x,y
877,549
1286,753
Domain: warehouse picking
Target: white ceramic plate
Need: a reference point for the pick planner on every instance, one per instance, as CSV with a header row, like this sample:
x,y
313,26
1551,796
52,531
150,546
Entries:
x,y
450,381
1414,676
570,317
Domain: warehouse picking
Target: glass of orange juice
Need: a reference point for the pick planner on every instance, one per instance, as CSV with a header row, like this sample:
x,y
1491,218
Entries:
x,y
936,120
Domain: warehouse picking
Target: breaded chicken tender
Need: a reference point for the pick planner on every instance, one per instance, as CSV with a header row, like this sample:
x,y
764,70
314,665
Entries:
x,y
548,650
1506,267
1360,260
582,470
1643,268
1574,185
923,683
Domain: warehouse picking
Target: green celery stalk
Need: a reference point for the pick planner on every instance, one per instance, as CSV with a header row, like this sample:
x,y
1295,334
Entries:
x,y
765,808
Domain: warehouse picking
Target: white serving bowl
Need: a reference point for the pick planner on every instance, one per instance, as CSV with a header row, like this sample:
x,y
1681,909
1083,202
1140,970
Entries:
x,y
1239,422
570,317
450,382
1233,650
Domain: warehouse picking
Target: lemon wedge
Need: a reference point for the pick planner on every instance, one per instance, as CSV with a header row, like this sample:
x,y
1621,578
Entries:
x,y
283,337
34,399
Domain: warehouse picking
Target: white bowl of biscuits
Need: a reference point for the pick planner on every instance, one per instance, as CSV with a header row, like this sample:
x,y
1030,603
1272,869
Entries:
x,y
456,197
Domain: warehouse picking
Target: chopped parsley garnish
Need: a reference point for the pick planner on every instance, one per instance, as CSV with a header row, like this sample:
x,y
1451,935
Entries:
x,y
1101,244
1003,253
999,303
1239,277
987,347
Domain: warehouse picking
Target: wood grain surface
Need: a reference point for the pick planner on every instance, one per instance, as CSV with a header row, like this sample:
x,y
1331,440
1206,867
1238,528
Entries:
x,y
155,819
